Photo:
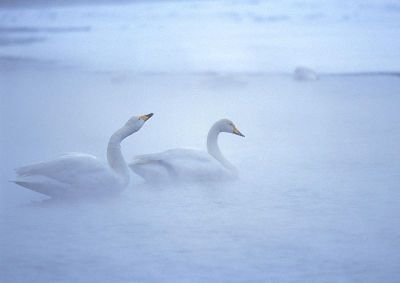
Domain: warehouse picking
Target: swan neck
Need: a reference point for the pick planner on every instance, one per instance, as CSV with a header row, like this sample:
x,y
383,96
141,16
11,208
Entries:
x,y
214,150
114,155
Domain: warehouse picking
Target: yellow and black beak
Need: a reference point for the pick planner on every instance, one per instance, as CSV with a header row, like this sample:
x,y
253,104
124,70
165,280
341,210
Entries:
x,y
146,117
237,132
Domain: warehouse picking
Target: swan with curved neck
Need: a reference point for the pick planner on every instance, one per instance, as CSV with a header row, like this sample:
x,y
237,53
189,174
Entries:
x,y
223,125
183,164
79,174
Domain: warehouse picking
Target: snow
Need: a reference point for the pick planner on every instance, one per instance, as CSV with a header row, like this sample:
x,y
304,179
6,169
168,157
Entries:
x,y
318,195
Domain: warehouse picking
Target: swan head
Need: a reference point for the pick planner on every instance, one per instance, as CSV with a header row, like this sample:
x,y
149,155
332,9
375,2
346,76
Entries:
x,y
228,126
136,122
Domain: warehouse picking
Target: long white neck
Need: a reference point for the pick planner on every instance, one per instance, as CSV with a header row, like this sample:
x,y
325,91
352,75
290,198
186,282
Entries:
x,y
213,148
114,154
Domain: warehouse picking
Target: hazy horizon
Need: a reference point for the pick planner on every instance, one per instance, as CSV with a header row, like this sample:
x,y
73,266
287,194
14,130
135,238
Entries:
x,y
210,36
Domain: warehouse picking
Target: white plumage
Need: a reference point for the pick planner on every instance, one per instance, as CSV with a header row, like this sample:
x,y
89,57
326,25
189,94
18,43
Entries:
x,y
188,165
82,175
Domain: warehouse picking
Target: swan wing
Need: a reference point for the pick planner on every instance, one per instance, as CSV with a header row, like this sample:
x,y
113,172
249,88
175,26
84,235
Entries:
x,y
183,164
173,154
64,169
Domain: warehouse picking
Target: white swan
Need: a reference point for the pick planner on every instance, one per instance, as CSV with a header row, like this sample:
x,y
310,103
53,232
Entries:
x,y
82,175
185,165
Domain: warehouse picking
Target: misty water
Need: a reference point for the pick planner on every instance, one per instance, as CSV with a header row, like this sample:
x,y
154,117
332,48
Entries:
x,y
318,194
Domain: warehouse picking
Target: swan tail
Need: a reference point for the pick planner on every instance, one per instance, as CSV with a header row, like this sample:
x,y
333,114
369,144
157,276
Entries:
x,y
43,185
28,170
36,187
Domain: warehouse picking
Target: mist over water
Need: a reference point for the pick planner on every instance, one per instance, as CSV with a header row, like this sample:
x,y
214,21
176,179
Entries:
x,y
204,36
317,199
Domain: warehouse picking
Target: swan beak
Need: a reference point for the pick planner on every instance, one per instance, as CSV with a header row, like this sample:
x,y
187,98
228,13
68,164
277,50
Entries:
x,y
237,132
146,117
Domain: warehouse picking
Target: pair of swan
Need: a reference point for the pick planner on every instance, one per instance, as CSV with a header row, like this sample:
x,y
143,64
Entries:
x,y
80,175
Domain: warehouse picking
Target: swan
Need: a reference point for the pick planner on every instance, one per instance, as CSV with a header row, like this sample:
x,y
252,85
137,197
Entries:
x,y
80,174
188,165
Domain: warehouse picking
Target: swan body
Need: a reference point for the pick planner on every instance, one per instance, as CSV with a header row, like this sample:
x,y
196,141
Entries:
x,y
179,164
82,175
188,165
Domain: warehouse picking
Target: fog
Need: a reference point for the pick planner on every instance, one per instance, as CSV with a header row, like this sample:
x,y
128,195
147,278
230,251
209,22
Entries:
x,y
318,194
